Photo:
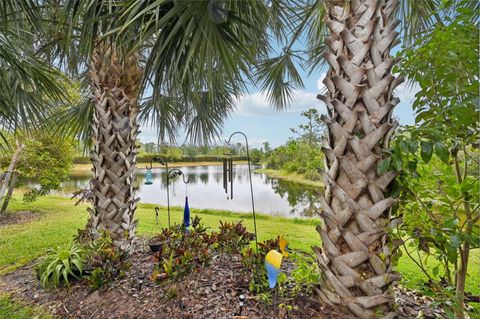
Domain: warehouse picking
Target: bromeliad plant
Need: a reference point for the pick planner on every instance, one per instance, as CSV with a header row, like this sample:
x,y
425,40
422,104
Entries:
x,y
182,251
106,261
61,265
233,237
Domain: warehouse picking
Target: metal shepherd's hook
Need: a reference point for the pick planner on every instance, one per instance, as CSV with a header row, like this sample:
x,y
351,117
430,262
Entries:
x,y
158,159
250,179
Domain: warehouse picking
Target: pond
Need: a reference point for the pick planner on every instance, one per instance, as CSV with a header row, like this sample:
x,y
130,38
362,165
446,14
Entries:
x,y
205,190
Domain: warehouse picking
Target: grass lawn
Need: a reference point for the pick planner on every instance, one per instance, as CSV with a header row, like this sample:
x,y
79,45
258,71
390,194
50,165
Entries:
x,y
60,219
12,309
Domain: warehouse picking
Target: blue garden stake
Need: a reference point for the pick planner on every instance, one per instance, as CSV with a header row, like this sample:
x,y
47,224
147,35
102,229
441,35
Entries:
x,y
186,214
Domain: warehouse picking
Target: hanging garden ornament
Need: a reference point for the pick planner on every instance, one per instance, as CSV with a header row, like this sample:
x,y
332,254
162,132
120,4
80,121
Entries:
x,y
228,175
148,177
186,214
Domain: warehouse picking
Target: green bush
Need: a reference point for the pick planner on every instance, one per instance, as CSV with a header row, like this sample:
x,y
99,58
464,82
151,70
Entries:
x,y
106,260
297,156
182,251
233,237
60,265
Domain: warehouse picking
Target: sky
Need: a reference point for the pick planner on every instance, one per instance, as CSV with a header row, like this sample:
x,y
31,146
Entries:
x,y
261,123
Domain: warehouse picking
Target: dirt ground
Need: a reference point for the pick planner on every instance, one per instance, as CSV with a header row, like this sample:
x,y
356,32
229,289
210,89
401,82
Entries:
x,y
211,293
18,218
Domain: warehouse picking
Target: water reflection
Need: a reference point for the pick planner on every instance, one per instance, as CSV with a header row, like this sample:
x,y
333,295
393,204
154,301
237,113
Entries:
x,y
205,190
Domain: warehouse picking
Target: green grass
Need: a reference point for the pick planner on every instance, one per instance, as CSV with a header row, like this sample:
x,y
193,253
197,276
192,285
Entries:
x,y
60,219
13,309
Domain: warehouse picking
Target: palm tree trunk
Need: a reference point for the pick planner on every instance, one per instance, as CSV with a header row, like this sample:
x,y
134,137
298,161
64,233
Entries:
x,y
358,253
7,198
115,84
7,180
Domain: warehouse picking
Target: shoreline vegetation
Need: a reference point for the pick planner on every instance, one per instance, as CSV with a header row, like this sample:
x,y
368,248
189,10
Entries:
x,y
289,177
79,169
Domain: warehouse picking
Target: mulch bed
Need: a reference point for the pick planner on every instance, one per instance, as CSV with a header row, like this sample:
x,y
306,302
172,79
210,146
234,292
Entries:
x,y
20,217
211,293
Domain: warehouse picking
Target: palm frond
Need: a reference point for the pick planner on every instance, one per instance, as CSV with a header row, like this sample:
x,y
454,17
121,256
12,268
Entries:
x,y
74,119
279,77
207,113
29,87
417,17
164,114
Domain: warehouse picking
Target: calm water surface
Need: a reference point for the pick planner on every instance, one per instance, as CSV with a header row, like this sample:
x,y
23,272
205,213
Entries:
x,y
205,190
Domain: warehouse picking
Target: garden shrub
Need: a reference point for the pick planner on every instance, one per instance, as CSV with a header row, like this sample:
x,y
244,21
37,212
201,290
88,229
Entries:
x,y
106,262
60,265
233,237
182,251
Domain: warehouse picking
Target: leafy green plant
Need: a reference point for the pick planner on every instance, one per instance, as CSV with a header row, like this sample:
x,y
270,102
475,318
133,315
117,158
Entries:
x,y
60,265
306,273
172,292
233,237
437,159
96,279
183,251
106,261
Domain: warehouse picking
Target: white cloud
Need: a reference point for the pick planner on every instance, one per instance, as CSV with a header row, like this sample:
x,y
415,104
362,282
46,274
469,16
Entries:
x,y
320,85
256,104
406,92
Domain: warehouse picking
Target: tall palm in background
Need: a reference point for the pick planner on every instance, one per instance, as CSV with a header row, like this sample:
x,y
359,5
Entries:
x,y
29,86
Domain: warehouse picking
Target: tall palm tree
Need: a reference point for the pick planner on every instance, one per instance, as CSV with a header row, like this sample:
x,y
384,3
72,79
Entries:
x,y
358,251
357,256
180,61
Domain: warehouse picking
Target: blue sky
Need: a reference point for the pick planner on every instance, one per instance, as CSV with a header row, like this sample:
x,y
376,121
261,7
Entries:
x,y
261,123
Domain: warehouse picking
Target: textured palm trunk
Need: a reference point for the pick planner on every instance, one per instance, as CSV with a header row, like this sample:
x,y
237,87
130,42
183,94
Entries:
x,y
115,84
358,253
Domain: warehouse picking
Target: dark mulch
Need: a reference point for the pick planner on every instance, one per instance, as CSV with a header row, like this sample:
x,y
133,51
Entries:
x,y
20,217
211,293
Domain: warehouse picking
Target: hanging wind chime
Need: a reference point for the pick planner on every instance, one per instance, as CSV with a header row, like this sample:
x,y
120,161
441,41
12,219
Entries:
x,y
228,175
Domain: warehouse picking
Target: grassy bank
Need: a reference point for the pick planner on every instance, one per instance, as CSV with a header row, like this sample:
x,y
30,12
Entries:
x,y
59,221
290,177
82,169
13,309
